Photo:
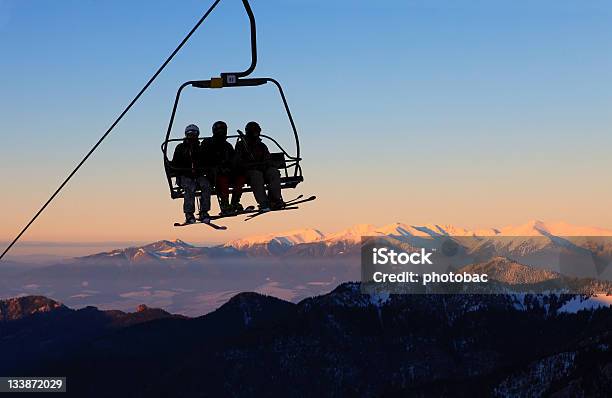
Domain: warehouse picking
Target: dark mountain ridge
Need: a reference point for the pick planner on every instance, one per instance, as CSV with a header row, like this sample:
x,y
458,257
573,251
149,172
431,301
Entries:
x,y
340,344
36,329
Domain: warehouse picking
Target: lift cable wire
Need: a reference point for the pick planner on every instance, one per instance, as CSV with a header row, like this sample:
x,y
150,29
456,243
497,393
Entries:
x,y
110,129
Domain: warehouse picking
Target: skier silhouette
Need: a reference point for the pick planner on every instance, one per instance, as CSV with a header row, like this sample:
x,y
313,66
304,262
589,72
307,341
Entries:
x,y
220,159
253,158
187,161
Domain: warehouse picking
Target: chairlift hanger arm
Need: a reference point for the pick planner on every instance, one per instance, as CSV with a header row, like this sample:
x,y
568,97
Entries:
x,y
237,79
251,68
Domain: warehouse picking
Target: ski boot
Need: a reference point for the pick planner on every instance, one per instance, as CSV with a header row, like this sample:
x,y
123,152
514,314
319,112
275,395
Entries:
x,y
226,208
277,204
190,218
264,207
204,217
237,207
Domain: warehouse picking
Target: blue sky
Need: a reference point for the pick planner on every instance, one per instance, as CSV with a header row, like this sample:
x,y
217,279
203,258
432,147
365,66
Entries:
x,y
470,112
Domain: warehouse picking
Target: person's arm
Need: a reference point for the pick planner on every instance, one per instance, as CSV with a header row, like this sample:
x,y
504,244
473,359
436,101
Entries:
x,y
231,153
228,160
265,152
177,157
205,155
236,162
241,151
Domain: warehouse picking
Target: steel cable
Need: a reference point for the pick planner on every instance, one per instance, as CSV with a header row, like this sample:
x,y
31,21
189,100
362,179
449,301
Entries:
x,y
113,125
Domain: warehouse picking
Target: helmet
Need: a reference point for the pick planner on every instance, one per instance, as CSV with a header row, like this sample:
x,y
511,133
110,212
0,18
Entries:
x,y
219,130
219,125
192,130
252,129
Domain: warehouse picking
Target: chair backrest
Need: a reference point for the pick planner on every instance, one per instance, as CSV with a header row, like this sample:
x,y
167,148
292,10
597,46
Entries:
x,y
277,159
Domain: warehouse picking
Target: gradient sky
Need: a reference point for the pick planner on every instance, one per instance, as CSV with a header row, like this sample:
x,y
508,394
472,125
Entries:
x,y
475,113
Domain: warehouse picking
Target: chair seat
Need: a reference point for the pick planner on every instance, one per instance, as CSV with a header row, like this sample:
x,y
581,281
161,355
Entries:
x,y
286,183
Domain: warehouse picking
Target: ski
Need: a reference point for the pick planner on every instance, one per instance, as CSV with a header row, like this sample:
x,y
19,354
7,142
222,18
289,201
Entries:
x,y
210,224
294,199
252,213
247,210
297,202
291,205
259,213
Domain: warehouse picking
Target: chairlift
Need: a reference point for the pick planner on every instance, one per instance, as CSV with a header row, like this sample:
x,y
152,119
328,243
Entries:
x,y
288,164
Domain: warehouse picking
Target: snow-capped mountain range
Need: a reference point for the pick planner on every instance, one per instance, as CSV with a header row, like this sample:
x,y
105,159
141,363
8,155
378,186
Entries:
x,y
354,233
163,250
276,243
534,243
